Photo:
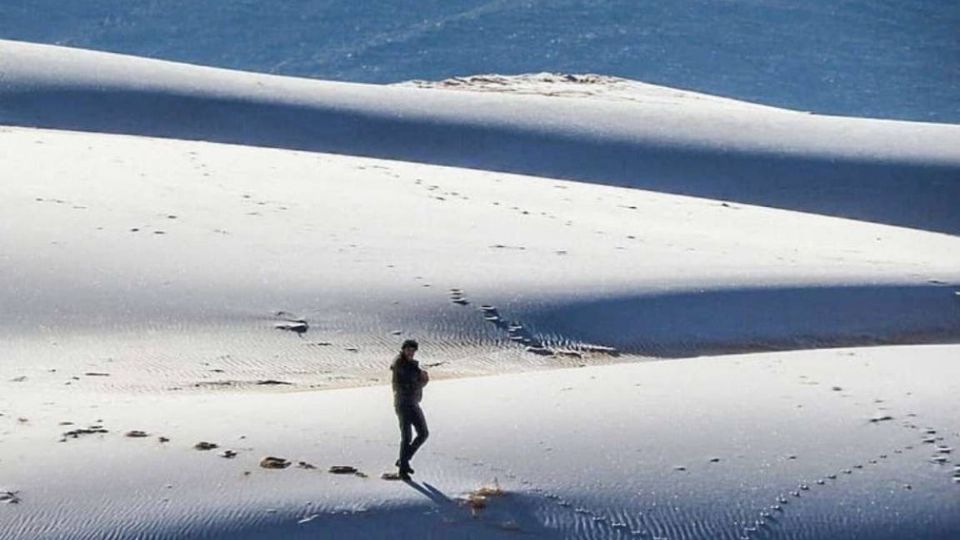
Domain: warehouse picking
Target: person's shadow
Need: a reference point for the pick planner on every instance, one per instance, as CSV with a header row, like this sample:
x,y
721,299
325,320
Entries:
x,y
429,491
518,515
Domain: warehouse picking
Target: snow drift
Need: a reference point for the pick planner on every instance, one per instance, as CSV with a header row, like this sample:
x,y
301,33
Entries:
x,y
890,172
177,291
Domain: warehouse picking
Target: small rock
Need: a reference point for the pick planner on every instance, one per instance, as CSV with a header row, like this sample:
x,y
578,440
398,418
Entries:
x,y
204,445
76,433
343,469
135,433
271,462
228,454
272,382
305,465
297,327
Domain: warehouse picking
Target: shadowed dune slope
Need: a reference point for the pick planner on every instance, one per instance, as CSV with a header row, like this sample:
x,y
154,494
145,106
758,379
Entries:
x,y
899,173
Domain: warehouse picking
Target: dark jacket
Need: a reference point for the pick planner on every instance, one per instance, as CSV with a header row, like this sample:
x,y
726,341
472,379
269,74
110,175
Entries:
x,y
407,381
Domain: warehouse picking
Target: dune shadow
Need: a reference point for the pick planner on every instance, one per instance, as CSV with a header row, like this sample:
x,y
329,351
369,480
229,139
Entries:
x,y
515,514
690,323
918,193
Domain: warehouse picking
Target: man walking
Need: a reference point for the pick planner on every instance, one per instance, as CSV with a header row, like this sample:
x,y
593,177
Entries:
x,y
408,383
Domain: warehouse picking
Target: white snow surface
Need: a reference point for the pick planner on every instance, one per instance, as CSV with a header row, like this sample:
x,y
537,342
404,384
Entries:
x,y
698,448
901,173
162,280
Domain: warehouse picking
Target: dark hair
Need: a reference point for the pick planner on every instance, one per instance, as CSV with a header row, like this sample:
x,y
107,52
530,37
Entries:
x,y
410,343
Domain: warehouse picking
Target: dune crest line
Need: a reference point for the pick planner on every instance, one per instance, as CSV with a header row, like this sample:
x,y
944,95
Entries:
x,y
854,168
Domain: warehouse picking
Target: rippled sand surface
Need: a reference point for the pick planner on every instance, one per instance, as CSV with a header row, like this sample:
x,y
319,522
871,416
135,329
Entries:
x,y
822,444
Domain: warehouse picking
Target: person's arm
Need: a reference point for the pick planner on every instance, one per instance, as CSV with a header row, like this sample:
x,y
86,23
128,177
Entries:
x,y
424,377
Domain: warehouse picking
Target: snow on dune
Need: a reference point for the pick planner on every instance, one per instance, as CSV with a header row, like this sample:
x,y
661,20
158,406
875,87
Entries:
x,y
184,258
161,281
812,445
899,173
591,86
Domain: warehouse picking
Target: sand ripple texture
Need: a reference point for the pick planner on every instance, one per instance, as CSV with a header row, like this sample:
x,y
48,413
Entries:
x,y
159,265
798,445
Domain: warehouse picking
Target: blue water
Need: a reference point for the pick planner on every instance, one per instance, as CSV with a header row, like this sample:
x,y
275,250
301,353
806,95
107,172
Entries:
x,y
879,58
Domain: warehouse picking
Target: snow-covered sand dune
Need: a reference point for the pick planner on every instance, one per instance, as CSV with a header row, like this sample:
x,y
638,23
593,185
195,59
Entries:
x,y
145,273
829,444
899,173
182,258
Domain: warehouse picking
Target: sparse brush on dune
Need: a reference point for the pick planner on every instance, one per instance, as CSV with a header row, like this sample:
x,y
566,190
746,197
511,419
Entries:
x,y
478,499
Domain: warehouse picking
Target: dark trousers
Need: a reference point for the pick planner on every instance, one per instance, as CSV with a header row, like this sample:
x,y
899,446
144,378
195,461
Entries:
x,y
410,416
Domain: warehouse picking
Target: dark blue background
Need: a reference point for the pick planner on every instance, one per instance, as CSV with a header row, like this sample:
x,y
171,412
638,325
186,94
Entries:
x,y
881,58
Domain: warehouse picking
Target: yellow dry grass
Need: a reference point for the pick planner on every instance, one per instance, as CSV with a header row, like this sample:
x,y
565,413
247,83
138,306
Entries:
x,y
477,499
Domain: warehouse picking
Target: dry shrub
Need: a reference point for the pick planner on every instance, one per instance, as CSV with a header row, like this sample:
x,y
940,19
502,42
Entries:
x,y
477,499
489,491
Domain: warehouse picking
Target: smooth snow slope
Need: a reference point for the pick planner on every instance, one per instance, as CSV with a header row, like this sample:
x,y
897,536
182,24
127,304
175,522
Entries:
x,y
889,172
169,264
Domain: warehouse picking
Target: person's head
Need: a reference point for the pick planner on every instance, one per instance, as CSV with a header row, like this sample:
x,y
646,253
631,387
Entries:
x,y
409,349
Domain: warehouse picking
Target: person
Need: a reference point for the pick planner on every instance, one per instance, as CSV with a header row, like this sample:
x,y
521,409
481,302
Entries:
x,y
408,383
